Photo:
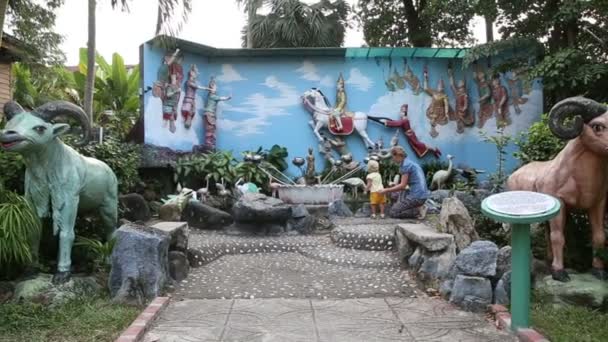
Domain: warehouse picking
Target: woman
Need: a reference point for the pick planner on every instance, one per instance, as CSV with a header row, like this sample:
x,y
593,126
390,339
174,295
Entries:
x,y
410,203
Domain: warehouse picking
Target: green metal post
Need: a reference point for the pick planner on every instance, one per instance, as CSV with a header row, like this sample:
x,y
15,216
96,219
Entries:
x,y
520,276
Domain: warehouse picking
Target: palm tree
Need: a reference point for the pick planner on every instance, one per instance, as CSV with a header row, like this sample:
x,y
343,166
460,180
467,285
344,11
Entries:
x,y
166,9
293,23
251,8
3,5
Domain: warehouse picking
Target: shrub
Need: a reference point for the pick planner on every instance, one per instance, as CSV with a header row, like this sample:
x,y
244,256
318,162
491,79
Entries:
x,y
218,165
18,224
538,143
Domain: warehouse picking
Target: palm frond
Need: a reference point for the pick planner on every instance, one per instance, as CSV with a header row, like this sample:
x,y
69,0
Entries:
x,y
171,18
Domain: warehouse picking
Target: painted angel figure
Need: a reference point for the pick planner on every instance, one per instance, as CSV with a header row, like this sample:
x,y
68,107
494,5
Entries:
x,y
210,121
168,87
501,103
412,80
189,103
516,90
485,98
463,116
439,110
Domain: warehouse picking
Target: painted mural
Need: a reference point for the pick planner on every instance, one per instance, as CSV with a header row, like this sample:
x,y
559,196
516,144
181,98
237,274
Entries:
x,y
339,105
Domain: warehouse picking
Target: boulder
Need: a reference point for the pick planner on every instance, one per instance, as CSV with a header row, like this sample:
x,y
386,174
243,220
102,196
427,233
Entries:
x,y
503,261
469,199
425,236
416,258
299,211
471,293
454,219
364,211
301,221
583,289
139,265
178,265
169,212
502,292
155,207
446,288
41,289
202,216
479,259
404,246
177,232
258,208
340,209
135,208
436,265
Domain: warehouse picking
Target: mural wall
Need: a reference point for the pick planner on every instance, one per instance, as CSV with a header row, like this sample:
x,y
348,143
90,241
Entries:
x,y
238,103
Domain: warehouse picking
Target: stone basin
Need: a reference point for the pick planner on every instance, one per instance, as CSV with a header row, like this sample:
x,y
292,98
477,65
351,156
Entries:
x,y
310,194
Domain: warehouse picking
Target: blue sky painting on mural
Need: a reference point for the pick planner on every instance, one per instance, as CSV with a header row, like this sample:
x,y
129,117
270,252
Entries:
x,y
266,109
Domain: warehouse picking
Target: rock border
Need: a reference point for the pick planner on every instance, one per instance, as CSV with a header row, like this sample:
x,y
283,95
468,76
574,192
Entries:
x,y
503,322
138,328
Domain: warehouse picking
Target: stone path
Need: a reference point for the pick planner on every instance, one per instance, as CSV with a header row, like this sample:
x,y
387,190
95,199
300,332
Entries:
x,y
309,288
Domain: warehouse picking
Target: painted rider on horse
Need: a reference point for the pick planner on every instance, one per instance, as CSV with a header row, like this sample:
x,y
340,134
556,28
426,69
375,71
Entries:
x,y
340,109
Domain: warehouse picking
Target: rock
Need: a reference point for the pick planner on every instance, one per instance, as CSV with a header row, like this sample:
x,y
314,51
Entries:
x,y
503,261
178,265
150,195
416,259
502,292
454,219
42,290
468,198
479,259
202,216
6,291
155,207
139,265
425,236
169,212
436,265
340,209
135,208
304,225
471,293
219,202
365,210
404,247
446,288
299,211
177,232
258,208
583,289
323,223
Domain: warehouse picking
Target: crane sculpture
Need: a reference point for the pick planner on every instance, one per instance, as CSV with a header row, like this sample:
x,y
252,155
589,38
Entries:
x,y
441,177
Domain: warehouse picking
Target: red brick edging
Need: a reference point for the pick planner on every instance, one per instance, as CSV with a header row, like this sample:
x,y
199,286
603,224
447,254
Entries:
x,y
136,331
503,322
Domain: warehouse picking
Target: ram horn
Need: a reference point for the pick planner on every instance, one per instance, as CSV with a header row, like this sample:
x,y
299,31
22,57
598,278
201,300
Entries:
x,y
51,110
579,110
11,109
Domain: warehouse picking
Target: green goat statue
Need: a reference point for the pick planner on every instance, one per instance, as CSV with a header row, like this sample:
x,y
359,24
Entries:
x,y
59,181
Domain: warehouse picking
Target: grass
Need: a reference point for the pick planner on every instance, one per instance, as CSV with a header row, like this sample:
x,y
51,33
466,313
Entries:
x,y
87,319
569,323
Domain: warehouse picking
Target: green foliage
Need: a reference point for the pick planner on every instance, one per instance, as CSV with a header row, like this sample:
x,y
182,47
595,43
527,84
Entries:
x,y
33,22
538,143
430,167
276,156
501,141
218,165
12,171
80,320
18,223
294,23
99,251
36,85
401,23
251,173
122,158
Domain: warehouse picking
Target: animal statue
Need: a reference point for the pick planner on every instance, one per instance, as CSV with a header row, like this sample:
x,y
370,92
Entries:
x,y
441,177
244,188
204,192
182,198
318,105
221,187
59,182
395,181
577,176
354,183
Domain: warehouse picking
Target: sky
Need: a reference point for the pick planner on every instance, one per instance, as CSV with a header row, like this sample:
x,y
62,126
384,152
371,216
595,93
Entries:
x,y
215,23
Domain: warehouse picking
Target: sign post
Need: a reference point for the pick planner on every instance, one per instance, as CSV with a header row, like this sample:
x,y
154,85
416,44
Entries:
x,y
520,209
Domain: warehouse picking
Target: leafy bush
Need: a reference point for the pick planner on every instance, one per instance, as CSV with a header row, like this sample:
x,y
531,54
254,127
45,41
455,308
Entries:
x,y
500,141
218,165
538,143
100,252
18,224
12,171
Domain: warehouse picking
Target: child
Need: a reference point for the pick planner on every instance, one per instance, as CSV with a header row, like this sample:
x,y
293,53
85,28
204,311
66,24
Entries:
x,y
374,184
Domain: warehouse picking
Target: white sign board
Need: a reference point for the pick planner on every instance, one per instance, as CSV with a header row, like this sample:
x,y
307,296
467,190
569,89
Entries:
x,y
520,203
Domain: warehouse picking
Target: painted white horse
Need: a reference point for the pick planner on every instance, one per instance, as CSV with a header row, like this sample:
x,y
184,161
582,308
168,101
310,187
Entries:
x,y
318,105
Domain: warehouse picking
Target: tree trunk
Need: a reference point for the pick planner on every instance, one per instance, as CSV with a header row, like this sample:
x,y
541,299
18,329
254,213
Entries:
x,y
489,28
418,33
3,5
90,81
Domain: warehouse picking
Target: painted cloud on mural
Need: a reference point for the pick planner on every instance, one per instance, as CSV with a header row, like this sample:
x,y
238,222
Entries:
x,y
261,107
229,74
360,81
309,72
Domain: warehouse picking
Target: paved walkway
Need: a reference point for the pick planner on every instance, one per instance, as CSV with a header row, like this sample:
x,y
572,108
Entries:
x,y
306,288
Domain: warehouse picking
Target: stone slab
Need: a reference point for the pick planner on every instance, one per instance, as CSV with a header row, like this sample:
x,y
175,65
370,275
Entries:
x,y
353,320
583,289
426,236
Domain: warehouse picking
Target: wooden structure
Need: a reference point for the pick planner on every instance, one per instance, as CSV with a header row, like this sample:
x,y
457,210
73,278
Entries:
x,y
11,51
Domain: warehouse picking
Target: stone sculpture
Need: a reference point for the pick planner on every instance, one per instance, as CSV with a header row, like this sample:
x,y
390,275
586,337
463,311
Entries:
x,y
441,177
516,90
485,99
168,87
310,166
439,110
189,104
58,180
464,117
340,109
576,176
210,121
501,103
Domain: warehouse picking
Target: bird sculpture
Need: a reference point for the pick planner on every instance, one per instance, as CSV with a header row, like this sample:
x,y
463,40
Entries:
x,y
354,183
441,177
221,187
204,192
244,188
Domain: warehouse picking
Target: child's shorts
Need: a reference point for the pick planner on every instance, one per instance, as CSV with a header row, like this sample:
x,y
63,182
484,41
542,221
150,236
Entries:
x,y
376,198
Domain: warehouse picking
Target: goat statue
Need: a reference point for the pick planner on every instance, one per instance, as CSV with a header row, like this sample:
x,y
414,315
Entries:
x,y
58,180
577,176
